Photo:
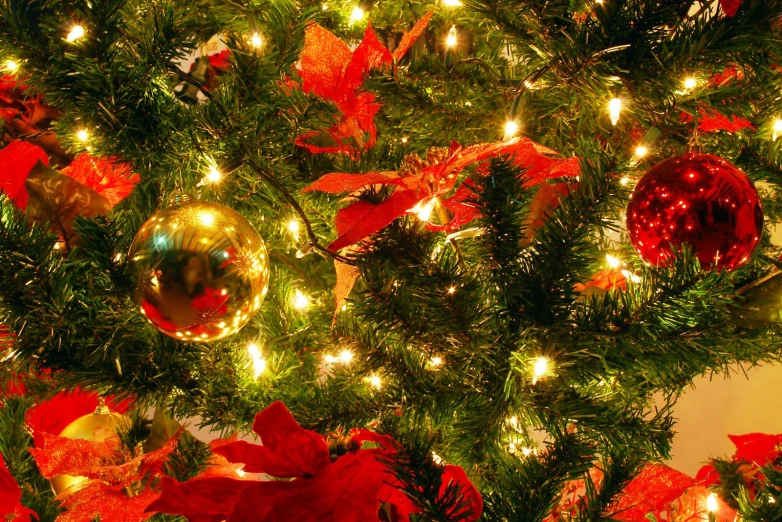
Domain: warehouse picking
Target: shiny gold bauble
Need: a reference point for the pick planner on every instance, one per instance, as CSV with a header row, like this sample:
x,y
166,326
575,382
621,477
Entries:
x,y
96,427
202,270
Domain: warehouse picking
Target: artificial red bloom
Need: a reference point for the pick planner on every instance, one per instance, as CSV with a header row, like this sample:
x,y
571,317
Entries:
x,y
349,488
712,120
111,469
609,279
11,507
651,492
16,161
753,451
415,191
730,7
108,177
331,71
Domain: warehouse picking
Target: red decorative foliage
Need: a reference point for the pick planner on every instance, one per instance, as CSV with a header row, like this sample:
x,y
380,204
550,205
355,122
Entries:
x,y
11,496
651,492
712,120
330,70
350,488
361,219
220,60
16,162
96,500
605,280
411,36
108,177
756,448
53,415
730,7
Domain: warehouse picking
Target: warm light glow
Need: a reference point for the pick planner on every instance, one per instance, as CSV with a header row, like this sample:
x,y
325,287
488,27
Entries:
x,y
259,363
711,503
256,41
11,65
690,83
641,151
76,32
375,382
527,451
624,181
300,301
293,228
450,40
436,361
423,211
437,458
777,128
451,290
214,175
345,356
540,369
206,218
357,15
614,108
612,261
452,3
83,135
511,128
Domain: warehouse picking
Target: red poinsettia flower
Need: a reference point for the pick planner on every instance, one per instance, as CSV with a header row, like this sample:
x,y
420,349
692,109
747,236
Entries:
x,y
417,191
11,507
108,177
609,279
331,71
112,471
651,492
16,162
350,488
712,120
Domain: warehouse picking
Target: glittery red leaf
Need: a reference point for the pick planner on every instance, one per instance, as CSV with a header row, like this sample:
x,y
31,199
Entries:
x,y
730,7
410,37
711,120
108,177
605,280
756,448
341,182
347,275
370,54
99,500
16,162
323,62
378,217
462,207
288,449
11,496
651,492
692,507
53,415
77,457
220,60
547,198
472,503
202,498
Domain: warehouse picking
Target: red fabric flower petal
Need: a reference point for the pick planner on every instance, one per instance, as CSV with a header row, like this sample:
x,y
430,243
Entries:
x,y
473,503
208,498
756,448
11,496
370,54
340,182
410,37
323,63
650,492
16,162
108,177
730,7
99,500
288,449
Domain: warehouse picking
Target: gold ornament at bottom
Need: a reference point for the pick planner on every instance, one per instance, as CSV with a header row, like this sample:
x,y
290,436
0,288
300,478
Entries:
x,y
201,268
96,427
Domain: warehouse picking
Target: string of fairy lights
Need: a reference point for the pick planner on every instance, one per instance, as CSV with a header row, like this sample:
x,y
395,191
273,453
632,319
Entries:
x,y
539,367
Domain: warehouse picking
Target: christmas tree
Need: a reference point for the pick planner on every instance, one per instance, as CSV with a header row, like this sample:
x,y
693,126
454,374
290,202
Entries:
x,y
448,261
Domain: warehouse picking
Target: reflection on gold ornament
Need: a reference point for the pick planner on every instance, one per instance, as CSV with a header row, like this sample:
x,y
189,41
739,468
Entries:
x,y
96,427
202,270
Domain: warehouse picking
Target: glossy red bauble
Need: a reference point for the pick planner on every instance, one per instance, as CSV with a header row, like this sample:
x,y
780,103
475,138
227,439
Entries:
x,y
699,200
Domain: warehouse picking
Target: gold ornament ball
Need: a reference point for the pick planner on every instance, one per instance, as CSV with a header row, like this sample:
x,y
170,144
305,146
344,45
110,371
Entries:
x,y
96,427
202,270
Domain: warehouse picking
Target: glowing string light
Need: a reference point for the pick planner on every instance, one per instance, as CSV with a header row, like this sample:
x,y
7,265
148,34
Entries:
x,y
375,381
259,363
293,228
214,175
777,128
83,135
539,369
614,108
711,503
75,33
641,151
345,356
452,3
511,128
256,41
11,66
423,211
612,261
357,14
450,40
300,301
690,83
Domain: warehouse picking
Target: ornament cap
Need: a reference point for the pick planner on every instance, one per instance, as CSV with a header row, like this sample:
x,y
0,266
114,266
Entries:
x,y
180,198
102,409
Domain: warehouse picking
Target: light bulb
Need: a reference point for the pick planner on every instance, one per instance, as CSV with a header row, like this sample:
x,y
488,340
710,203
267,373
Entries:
x,y
452,3
711,503
450,40
423,211
612,261
324,7
614,108
11,65
300,300
641,151
511,128
256,40
214,175
259,363
540,368
76,32
375,382
690,83
293,228
451,290
435,361
345,356
624,181
83,135
404,140
357,15
777,128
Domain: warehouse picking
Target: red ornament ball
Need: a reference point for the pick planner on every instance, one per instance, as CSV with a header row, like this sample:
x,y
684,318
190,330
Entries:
x,y
700,200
